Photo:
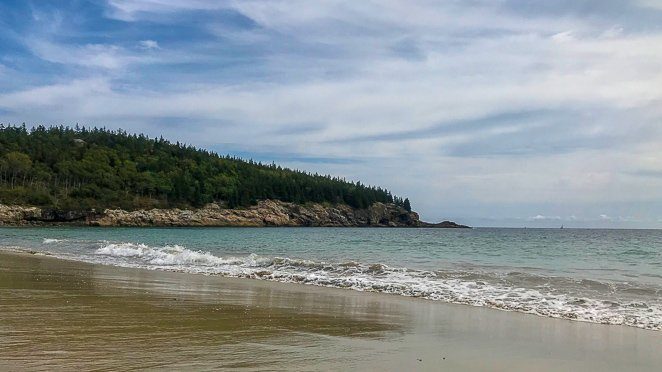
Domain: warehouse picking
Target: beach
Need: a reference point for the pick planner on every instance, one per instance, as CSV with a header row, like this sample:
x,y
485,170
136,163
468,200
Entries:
x,y
57,314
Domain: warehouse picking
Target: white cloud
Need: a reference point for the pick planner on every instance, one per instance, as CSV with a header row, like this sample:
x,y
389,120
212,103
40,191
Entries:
x,y
540,217
613,32
654,4
563,37
129,10
91,55
57,99
149,44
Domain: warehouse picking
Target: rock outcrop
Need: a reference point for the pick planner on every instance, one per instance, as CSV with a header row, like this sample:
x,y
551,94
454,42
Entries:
x,y
265,213
21,215
17,215
445,225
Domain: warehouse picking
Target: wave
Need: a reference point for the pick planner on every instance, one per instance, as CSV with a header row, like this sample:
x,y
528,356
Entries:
x,y
52,241
639,253
576,299
169,255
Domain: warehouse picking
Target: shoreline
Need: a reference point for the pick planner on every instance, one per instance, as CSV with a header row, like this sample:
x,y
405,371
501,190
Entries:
x,y
265,276
56,312
267,213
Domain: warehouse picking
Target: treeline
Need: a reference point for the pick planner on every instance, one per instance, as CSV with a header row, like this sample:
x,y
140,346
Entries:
x,y
80,168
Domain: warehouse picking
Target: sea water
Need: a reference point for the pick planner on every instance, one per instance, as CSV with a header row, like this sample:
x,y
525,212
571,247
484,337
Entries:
x,y
602,276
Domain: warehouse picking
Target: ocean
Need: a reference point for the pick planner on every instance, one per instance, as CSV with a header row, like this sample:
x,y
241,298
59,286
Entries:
x,y
601,276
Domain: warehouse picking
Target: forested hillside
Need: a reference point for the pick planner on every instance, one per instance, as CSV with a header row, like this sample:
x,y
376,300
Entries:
x,y
81,168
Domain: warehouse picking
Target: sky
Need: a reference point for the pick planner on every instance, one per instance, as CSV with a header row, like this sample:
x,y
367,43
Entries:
x,y
487,112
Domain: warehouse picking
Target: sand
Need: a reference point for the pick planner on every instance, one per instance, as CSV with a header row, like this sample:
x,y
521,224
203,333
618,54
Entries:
x,y
60,315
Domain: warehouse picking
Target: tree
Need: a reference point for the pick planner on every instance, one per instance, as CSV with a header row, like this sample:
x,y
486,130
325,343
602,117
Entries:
x,y
99,168
18,165
407,205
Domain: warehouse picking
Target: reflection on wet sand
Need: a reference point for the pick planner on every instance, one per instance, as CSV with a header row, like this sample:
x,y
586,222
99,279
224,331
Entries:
x,y
57,314
63,313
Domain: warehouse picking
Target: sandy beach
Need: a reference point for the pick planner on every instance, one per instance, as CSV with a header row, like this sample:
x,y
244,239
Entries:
x,y
60,315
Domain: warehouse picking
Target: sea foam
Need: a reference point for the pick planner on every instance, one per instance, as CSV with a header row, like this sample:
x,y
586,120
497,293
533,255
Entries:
x,y
527,293
51,241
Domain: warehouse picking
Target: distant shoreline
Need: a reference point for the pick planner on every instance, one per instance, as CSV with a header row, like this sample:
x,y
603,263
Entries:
x,y
267,213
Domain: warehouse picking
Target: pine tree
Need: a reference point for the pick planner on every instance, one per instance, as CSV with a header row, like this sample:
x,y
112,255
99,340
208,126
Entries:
x,y
98,168
407,205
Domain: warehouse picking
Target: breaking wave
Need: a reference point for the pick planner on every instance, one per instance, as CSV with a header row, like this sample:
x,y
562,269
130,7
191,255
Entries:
x,y
557,297
52,241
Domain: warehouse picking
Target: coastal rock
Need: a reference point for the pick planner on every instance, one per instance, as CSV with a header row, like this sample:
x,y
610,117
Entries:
x,y
17,215
445,225
265,213
22,215
53,215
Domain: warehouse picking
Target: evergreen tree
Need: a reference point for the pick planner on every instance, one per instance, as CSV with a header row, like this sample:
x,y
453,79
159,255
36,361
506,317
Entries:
x,y
406,205
79,168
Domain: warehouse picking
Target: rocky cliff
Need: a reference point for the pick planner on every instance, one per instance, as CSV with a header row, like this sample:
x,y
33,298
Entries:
x,y
265,213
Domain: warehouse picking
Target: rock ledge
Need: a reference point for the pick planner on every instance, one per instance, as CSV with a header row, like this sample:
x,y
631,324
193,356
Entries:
x,y
265,213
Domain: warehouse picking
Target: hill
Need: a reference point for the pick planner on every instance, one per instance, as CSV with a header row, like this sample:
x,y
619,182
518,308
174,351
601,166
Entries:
x,y
85,169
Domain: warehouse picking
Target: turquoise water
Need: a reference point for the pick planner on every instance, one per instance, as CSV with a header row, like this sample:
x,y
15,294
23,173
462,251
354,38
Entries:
x,y
606,276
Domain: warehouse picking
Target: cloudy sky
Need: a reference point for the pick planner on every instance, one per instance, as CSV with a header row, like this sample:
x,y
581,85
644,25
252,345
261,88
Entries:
x,y
489,112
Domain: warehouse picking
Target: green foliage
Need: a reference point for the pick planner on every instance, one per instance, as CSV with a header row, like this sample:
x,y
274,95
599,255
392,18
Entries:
x,y
406,205
82,168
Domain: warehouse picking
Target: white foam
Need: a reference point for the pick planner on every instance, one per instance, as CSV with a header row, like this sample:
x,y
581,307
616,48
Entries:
x,y
174,255
449,287
51,241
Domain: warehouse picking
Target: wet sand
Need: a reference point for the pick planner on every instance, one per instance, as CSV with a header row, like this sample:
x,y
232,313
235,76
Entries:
x,y
61,315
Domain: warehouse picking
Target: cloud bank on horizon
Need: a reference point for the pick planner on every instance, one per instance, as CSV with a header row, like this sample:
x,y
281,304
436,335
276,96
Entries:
x,y
506,112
